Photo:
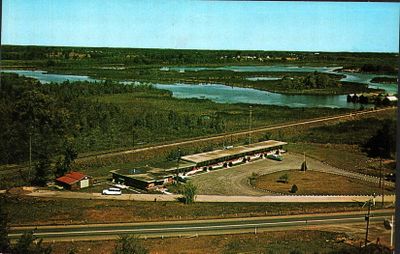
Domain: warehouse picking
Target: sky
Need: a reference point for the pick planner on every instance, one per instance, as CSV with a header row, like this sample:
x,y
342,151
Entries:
x,y
292,26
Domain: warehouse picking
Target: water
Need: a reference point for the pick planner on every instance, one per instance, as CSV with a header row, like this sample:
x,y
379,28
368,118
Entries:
x,y
227,94
263,78
363,78
272,68
46,78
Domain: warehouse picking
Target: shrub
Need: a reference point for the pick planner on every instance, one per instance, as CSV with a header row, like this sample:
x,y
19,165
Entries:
x,y
283,178
294,188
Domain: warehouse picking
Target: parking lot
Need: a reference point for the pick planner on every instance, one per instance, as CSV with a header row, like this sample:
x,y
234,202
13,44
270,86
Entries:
x,y
235,180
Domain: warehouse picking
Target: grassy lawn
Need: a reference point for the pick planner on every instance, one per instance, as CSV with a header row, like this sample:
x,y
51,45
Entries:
x,y
347,157
43,211
313,182
305,241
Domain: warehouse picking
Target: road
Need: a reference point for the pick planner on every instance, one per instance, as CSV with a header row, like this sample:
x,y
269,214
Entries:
x,y
195,227
190,141
213,198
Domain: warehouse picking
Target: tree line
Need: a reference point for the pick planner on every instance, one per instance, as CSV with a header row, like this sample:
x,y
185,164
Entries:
x,y
52,123
314,80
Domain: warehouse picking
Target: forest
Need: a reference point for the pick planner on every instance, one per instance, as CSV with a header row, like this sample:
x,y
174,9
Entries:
x,y
60,58
109,115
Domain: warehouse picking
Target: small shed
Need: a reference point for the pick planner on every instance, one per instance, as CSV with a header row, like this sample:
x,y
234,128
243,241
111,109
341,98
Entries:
x,y
75,181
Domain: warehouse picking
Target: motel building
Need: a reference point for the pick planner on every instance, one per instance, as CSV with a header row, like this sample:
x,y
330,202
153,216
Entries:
x,y
149,178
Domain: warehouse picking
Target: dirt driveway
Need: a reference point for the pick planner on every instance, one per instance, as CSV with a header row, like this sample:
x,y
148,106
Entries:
x,y
234,181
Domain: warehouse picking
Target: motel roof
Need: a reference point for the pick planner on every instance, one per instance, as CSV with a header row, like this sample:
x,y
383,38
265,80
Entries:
x,y
219,154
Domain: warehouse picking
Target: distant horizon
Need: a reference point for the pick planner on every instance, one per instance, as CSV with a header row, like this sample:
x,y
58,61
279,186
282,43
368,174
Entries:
x,y
264,50
204,25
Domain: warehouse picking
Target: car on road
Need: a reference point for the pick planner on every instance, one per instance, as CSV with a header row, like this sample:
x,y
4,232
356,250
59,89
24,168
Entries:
x,y
112,191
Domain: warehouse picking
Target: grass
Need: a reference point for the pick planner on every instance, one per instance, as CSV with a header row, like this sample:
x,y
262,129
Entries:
x,y
316,183
304,241
43,211
343,156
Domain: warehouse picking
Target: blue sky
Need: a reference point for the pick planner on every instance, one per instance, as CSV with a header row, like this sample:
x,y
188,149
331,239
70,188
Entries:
x,y
302,26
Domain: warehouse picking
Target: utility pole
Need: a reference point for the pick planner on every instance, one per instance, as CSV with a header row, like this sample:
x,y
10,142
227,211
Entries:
x,y
177,166
391,234
381,180
30,155
367,217
133,137
250,113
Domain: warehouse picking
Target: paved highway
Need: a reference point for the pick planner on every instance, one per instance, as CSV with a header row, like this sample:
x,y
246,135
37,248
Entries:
x,y
213,198
194,228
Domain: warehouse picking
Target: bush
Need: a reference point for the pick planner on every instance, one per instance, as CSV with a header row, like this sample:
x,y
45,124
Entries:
x,y
230,164
189,193
294,188
283,178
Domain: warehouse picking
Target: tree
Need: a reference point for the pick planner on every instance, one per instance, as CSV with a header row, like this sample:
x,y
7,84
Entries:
x,y
42,171
303,166
383,143
70,154
129,244
28,244
294,188
189,192
284,178
4,240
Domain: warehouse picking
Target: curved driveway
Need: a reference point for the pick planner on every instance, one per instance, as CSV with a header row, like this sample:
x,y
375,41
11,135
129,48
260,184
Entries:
x,y
234,181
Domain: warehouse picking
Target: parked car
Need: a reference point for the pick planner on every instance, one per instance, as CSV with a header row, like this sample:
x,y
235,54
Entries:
x,y
112,191
274,157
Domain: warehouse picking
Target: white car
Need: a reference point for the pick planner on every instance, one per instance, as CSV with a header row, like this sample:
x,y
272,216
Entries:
x,y
112,191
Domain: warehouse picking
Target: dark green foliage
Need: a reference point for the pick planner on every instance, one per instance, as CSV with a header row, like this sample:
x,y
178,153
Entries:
x,y
253,178
70,154
294,188
383,143
303,166
43,171
384,80
4,241
189,192
129,244
350,132
312,81
28,244
379,68
283,178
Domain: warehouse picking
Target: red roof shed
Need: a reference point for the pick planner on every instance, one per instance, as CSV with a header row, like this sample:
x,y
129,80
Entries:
x,y
75,180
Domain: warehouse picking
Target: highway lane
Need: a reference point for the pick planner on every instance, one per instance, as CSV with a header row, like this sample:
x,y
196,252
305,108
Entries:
x,y
196,227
